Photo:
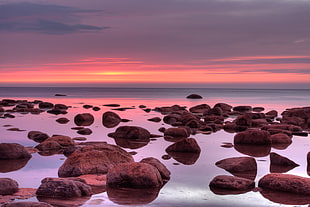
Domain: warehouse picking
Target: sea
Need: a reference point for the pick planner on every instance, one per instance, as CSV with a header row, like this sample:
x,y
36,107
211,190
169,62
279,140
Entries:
x,y
189,182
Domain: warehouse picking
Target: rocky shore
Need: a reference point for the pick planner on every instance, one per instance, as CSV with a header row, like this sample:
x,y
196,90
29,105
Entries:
x,y
94,167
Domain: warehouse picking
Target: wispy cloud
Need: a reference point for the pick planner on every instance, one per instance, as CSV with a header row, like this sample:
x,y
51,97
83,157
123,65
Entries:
x,y
44,18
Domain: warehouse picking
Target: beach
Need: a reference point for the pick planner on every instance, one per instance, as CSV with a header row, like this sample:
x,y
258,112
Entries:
x,y
190,178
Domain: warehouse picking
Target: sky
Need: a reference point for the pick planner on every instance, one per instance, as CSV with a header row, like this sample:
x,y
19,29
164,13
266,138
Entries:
x,y
155,43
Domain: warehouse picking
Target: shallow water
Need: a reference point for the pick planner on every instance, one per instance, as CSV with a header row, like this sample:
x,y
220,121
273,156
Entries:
x,y
189,183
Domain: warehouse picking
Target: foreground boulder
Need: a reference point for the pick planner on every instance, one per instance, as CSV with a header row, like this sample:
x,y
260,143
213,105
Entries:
x,y
93,159
286,182
245,167
232,183
8,186
63,187
164,172
13,151
134,175
253,137
110,119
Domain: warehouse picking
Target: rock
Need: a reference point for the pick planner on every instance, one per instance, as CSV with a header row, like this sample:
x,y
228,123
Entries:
x,y
288,127
169,109
63,187
49,146
85,119
8,186
85,131
258,123
12,165
87,106
293,120
202,108
164,172
64,141
280,164
59,94
258,109
245,167
253,150
62,120
176,132
244,120
242,109
96,108
110,119
188,145
37,136
286,182
134,175
93,159
131,132
26,204
280,138
254,137
112,105
194,96
224,106
61,107
155,119
232,183
215,111
13,151
46,105
56,111
272,114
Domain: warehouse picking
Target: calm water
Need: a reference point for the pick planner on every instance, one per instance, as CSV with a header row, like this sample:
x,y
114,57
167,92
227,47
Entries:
x,y
189,184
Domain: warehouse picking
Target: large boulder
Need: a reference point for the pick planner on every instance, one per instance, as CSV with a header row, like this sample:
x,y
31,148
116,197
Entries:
x,y
245,167
37,136
134,175
131,132
253,137
13,151
164,172
63,187
110,119
8,186
85,119
286,182
93,159
232,183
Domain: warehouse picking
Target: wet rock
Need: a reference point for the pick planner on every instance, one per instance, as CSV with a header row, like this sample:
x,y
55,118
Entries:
x,y
7,115
62,120
13,151
87,106
59,94
286,182
194,96
85,131
93,159
258,123
215,111
176,132
288,127
12,165
224,106
49,146
202,108
131,132
56,111
164,172
46,105
244,120
170,109
110,119
112,105
8,186
272,114
155,119
245,167
134,175
242,109
187,145
258,109
85,119
64,141
255,137
61,107
293,120
26,204
232,183
96,108
63,187
79,138
280,164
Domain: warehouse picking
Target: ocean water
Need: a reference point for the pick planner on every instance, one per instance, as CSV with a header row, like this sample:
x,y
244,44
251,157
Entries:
x,y
189,183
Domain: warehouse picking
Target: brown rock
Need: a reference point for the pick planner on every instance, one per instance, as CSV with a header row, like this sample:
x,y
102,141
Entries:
x,y
27,204
286,182
63,187
85,119
85,131
224,106
245,167
288,127
244,120
176,132
232,183
8,186
93,159
194,96
62,120
46,105
188,145
37,136
64,141
132,132
281,138
155,119
13,151
134,175
12,165
202,108
272,114
61,106
258,109
110,119
49,146
255,137
242,109
164,172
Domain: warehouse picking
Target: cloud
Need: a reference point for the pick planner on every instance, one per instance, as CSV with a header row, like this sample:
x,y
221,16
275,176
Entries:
x,y
44,18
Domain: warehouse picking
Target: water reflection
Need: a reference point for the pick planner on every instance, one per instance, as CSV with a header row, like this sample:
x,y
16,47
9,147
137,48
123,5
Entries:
x,y
185,158
65,202
131,143
12,165
285,198
252,150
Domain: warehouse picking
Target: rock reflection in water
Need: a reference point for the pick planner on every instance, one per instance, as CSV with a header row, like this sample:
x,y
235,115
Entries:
x,y
65,202
131,196
131,143
285,198
12,165
252,150
185,158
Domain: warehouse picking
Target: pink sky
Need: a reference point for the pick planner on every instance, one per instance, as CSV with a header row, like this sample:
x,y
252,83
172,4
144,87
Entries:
x,y
155,43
